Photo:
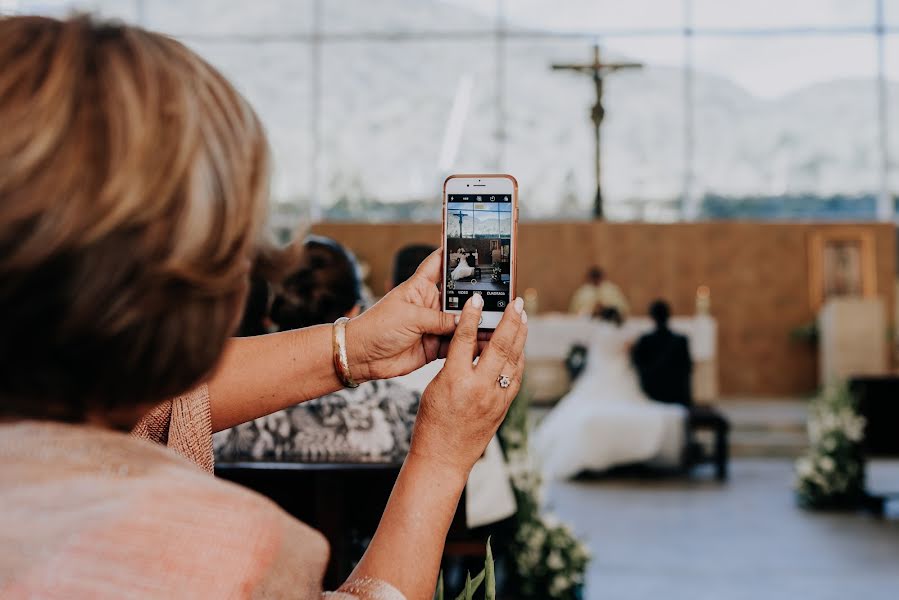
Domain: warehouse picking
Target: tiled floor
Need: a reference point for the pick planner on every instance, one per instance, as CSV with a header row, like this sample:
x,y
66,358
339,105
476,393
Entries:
x,y
695,539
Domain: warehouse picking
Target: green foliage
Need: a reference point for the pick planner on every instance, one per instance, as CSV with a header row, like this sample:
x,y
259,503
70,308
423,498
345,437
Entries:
x,y
489,575
831,474
472,584
550,561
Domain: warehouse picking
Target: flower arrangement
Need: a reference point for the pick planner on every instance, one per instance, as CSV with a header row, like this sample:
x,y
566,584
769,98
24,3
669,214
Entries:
x,y
831,474
549,561
497,275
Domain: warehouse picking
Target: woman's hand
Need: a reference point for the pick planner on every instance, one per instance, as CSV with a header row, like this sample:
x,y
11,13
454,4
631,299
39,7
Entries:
x,y
463,407
403,331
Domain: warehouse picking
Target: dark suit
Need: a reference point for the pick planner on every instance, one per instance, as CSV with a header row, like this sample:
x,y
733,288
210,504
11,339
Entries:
x,y
470,260
662,360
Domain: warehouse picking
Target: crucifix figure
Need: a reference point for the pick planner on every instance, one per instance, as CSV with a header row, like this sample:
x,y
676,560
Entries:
x,y
598,70
461,215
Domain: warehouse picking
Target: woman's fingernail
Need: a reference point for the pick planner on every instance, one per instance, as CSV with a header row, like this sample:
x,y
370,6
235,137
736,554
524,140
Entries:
x,y
456,319
519,305
477,301
524,317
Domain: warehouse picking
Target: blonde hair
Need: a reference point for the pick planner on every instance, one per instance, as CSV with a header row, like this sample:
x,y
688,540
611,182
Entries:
x,y
133,180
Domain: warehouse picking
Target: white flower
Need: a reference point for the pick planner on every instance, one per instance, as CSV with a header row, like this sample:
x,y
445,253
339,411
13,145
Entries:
x,y
855,429
550,520
804,467
559,584
554,561
537,538
583,551
827,464
513,436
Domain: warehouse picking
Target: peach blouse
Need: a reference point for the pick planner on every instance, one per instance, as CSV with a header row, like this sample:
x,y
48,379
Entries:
x,y
91,513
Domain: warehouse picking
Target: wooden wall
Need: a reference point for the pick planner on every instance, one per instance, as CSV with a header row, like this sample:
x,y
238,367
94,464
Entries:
x,y
757,273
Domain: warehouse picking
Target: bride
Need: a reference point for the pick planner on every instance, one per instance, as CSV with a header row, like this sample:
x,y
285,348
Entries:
x,y
464,269
606,419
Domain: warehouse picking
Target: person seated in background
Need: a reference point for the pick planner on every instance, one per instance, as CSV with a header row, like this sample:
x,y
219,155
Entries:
x,y
372,422
606,420
255,315
598,293
662,360
406,261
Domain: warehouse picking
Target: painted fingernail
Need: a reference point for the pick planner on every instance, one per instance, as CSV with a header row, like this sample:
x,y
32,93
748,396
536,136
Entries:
x,y
477,301
524,317
519,305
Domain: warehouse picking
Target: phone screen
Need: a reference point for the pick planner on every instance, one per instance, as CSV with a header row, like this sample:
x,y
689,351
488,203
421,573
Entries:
x,y
478,247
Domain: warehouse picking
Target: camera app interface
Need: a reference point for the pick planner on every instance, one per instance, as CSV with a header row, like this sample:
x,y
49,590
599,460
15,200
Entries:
x,y
478,247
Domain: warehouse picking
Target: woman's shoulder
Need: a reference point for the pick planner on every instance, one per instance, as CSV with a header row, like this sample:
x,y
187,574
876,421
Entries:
x,y
122,504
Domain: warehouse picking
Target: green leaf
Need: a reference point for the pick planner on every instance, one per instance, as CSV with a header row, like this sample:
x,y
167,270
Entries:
x,y
469,593
474,583
438,595
489,575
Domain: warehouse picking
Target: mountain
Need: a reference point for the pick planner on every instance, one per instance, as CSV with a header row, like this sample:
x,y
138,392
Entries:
x,y
385,104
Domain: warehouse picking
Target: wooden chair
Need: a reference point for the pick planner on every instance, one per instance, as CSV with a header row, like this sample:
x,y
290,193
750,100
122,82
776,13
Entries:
x,y
706,418
344,501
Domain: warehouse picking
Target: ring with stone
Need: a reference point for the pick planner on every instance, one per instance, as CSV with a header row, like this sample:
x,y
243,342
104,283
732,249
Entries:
x,y
504,381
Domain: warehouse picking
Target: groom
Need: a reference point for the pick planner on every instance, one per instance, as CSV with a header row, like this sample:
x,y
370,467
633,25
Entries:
x,y
662,360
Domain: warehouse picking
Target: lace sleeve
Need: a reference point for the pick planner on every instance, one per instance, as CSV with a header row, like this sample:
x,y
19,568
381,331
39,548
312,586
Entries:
x,y
365,588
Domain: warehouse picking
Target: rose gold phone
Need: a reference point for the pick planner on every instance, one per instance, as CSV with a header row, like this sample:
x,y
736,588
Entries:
x,y
480,243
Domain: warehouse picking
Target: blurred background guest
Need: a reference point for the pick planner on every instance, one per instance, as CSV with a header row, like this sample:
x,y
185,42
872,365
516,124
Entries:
x,y
372,422
406,261
662,359
598,293
326,285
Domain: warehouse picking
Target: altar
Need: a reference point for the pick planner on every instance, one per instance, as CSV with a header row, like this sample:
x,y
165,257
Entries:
x,y
551,337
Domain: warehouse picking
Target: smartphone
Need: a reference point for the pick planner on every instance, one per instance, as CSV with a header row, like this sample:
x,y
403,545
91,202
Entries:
x,y
480,239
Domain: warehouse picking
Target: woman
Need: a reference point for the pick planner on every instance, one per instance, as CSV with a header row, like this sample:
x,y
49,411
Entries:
x,y
606,420
132,191
372,422
464,269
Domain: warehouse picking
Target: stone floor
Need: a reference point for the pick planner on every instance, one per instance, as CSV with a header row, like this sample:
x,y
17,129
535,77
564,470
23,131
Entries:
x,y
694,539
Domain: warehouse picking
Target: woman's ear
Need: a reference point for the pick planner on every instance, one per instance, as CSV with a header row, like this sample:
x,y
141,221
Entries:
x,y
354,312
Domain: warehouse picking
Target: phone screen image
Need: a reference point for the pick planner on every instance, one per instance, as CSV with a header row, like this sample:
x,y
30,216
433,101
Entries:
x,y
478,248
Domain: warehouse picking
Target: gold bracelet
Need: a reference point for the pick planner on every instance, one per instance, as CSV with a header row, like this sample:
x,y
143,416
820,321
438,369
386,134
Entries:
x,y
341,364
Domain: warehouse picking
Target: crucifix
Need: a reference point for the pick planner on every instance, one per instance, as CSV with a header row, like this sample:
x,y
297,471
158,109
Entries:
x,y
461,215
598,70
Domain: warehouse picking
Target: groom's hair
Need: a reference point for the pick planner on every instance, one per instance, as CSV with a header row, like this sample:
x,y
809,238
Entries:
x,y
660,312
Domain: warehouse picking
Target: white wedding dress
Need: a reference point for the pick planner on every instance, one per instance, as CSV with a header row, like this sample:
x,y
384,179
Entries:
x,y
462,270
606,419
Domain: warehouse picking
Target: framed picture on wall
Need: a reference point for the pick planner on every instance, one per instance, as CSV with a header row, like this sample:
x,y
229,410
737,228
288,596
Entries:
x,y
841,264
